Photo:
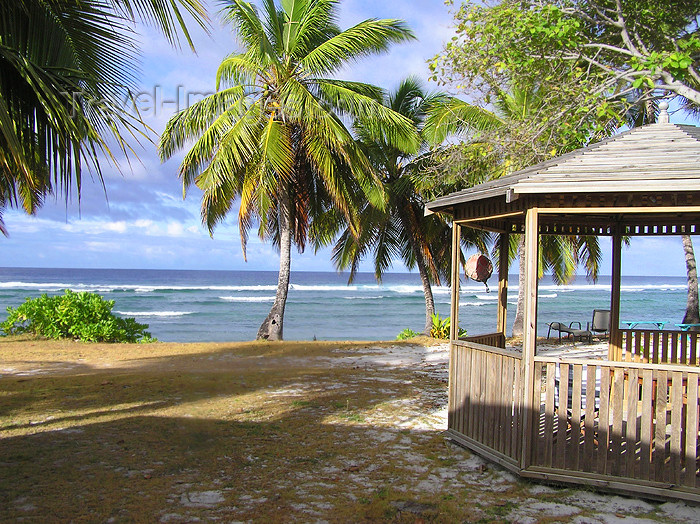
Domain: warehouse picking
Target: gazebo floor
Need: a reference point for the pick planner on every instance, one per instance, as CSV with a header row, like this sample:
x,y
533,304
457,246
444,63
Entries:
x,y
552,348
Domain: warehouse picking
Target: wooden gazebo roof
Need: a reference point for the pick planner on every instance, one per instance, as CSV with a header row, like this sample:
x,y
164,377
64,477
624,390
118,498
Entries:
x,y
653,166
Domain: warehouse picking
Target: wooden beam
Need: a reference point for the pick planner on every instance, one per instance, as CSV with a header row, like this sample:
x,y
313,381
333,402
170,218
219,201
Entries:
x,y
481,227
484,451
530,404
492,217
607,482
454,300
615,341
503,248
643,210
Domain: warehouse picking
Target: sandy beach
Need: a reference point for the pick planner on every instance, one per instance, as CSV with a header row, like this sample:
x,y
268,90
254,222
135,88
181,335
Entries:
x,y
258,432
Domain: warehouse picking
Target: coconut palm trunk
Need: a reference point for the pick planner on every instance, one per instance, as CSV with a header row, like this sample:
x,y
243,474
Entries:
x,y
429,300
427,290
692,312
273,326
518,321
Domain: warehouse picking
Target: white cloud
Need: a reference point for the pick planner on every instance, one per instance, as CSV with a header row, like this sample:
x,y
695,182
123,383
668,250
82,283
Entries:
x,y
174,229
117,227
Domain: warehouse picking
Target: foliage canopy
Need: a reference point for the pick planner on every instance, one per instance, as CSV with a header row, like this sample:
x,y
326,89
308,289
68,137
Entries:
x,y
590,55
66,71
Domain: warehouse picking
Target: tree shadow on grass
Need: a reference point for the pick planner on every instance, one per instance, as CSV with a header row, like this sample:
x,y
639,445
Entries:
x,y
296,467
70,391
218,435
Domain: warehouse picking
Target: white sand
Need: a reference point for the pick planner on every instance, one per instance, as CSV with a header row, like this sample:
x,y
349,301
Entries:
x,y
608,508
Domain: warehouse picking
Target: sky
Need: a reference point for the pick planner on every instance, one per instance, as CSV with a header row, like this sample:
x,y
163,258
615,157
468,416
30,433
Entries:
x,y
143,222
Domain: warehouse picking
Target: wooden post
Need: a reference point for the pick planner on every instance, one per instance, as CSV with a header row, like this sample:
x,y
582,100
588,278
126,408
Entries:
x,y
454,302
503,282
530,400
615,342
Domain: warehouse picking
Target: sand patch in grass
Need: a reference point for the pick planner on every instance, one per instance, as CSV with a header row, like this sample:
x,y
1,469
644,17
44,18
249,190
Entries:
x,y
253,432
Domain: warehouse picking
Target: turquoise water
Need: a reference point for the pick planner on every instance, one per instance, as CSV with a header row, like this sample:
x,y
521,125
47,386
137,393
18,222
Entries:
x,y
189,306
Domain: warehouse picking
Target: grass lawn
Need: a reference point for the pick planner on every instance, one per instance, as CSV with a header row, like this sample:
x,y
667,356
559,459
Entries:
x,y
263,432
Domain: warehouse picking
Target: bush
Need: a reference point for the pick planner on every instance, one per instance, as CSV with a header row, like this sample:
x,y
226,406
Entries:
x,y
406,333
441,327
83,316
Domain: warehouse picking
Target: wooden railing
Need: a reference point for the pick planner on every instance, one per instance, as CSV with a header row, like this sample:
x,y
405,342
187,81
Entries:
x,y
633,426
614,419
666,346
496,340
485,399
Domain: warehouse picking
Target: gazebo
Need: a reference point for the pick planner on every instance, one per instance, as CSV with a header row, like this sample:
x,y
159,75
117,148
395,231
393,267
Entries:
x,y
629,422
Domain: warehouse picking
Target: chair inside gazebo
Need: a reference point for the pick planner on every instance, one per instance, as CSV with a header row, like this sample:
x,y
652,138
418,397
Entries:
x,y
628,422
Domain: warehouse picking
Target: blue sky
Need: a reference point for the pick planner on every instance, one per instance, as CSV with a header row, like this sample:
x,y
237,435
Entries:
x,y
143,222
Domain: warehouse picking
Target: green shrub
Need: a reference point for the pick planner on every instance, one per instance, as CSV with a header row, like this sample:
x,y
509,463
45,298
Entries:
x,y
406,334
441,327
83,316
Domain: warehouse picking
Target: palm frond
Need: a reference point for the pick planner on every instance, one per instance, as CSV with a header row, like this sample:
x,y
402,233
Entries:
x,y
165,15
366,38
379,121
250,30
455,116
66,67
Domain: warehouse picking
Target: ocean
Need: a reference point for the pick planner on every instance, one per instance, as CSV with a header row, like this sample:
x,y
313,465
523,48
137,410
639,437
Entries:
x,y
209,306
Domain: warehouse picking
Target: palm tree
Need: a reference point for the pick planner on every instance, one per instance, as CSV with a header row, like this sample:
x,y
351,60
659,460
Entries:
x,y
66,67
517,144
273,135
692,313
400,230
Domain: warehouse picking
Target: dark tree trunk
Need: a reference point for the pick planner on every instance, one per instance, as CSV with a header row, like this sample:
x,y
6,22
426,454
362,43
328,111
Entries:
x,y
424,276
427,293
272,327
518,321
692,313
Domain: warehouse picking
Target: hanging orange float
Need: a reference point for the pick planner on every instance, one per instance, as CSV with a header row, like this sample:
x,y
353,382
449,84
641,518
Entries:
x,y
479,268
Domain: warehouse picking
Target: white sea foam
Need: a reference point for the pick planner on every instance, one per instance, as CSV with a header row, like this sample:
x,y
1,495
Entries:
x,y
46,286
302,287
490,296
248,299
548,295
398,288
474,303
154,313
405,290
139,288
606,287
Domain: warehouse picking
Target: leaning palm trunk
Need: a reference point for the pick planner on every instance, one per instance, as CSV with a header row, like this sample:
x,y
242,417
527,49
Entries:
x,y
273,326
518,322
428,293
692,313
412,229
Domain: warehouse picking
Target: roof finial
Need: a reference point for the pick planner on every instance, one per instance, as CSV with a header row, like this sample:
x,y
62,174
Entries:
x,y
663,112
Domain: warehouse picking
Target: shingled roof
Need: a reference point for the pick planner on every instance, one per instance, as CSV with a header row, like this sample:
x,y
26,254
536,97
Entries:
x,y
657,157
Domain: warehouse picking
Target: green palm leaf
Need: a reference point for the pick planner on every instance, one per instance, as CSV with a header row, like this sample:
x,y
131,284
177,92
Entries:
x,y
66,66
366,38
